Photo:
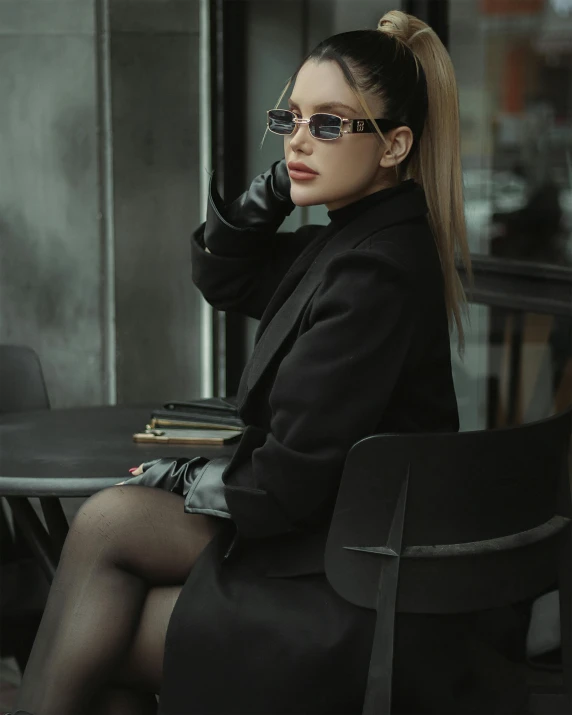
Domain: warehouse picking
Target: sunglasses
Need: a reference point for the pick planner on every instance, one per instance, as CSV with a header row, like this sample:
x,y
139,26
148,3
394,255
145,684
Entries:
x,y
324,126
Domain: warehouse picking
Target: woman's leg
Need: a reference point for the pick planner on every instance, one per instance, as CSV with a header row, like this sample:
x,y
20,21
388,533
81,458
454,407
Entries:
x,y
122,542
138,678
123,701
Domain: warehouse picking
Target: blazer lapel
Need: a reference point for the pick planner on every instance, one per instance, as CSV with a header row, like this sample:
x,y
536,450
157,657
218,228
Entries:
x,y
292,278
402,207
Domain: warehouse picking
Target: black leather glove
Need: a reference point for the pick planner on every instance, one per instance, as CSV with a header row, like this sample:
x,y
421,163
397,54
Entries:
x,y
263,207
170,474
206,494
199,480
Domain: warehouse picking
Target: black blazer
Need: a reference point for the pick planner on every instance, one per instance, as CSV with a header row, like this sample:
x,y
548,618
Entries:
x,y
353,341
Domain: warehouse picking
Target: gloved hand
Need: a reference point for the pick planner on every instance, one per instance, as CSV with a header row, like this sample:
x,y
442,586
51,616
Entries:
x,y
263,207
206,493
170,474
267,200
199,480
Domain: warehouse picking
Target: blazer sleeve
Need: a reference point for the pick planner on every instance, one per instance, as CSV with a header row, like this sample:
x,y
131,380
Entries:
x,y
329,392
245,265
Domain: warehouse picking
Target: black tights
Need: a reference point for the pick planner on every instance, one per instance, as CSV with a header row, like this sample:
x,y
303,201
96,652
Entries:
x,y
99,647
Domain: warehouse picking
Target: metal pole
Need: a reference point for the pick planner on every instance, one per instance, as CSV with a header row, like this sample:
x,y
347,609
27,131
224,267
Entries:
x,y
105,132
205,163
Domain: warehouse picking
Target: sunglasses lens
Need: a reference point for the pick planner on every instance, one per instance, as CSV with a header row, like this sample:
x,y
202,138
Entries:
x,y
281,121
325,126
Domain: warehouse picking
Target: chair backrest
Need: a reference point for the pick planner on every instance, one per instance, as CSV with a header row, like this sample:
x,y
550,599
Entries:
x,y
22,385
473,517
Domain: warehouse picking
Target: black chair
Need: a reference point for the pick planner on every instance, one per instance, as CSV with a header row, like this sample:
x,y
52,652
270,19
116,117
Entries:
x,y
453,524
22,385
23,586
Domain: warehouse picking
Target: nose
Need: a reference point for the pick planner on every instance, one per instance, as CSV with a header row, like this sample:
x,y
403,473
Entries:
x,y
301,139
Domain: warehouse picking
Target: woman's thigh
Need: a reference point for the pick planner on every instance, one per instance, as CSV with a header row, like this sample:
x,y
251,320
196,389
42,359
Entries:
x,y
145,532
142,530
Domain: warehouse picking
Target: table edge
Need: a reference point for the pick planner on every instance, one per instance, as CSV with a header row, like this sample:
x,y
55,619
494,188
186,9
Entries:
x,y
50,487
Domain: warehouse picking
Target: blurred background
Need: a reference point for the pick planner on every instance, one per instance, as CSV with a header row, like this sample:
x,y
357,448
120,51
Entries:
x,y
115,111
102,161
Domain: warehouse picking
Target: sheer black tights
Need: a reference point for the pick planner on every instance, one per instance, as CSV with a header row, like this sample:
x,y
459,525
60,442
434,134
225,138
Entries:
x,y
99,647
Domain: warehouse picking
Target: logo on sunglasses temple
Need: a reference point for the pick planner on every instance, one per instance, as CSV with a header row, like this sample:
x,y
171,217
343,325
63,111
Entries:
x,y
360,126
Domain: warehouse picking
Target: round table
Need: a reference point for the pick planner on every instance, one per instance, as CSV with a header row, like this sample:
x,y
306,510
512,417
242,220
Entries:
x,y
72,453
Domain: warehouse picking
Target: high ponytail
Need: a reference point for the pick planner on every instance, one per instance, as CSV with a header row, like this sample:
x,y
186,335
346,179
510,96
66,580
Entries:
x,y
406,65
436,164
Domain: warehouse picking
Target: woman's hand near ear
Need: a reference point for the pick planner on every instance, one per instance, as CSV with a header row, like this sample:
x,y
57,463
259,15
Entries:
x,y
263,207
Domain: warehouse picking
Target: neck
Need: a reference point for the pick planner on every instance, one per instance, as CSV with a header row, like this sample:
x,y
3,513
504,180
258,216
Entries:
x,y
347,200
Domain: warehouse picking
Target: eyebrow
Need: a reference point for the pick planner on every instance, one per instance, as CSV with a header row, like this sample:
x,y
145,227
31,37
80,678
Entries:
x,y
327,106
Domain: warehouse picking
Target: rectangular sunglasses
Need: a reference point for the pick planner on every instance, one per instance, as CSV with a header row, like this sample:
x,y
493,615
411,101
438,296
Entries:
x,y
324,126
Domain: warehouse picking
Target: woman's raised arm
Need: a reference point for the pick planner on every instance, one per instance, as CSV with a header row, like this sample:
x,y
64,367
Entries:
x,y
238,258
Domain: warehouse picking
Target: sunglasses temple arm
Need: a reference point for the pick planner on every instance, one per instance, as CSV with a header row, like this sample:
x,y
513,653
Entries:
x,y
263,138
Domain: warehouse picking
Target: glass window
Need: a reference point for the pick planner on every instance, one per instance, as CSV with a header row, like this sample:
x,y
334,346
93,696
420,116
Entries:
x,y
513,60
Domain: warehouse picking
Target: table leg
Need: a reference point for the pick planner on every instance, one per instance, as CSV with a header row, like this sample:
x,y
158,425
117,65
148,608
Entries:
x,y
35,534
56,522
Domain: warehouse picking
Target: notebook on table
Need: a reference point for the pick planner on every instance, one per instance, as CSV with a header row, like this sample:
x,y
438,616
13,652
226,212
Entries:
x,y
187,436
212,420
211,412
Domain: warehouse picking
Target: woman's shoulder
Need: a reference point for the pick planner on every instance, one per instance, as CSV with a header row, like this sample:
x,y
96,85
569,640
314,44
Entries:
x,y
409,246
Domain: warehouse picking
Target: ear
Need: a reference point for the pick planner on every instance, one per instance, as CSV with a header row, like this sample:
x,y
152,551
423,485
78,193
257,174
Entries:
x,y
400,141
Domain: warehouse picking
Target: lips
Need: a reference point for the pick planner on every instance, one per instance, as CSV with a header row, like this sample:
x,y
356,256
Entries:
x,y
300,172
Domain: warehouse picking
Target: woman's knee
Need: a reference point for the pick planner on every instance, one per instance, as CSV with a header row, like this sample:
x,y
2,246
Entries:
x,y
103,526
104,512
143,530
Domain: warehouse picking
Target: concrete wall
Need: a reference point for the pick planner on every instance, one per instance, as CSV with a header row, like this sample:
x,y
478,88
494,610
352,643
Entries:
x,y
154,78
99,193
50,246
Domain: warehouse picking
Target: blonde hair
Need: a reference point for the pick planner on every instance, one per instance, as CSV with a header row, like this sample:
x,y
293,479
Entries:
x,y
412,73
436,164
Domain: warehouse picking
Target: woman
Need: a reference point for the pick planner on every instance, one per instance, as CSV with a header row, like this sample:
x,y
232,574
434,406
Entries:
x,y
353,340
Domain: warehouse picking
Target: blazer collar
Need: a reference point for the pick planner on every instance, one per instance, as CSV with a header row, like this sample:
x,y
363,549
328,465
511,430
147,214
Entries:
x,y
399,208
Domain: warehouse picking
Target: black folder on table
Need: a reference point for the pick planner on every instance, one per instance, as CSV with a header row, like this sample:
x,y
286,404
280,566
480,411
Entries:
x,y
208,413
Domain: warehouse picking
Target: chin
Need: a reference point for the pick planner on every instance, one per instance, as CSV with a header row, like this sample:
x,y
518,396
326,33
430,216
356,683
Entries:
x,y
304,197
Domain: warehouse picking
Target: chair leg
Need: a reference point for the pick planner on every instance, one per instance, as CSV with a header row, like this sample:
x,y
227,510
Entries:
x,y
548,701
565,584
56,522
34,532
22,637
378,692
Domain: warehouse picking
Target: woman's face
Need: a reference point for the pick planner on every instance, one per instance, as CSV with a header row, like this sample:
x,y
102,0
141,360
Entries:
x,y
347,168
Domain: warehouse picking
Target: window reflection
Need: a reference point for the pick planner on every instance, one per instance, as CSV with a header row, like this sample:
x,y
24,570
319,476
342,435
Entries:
x,y
513,60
